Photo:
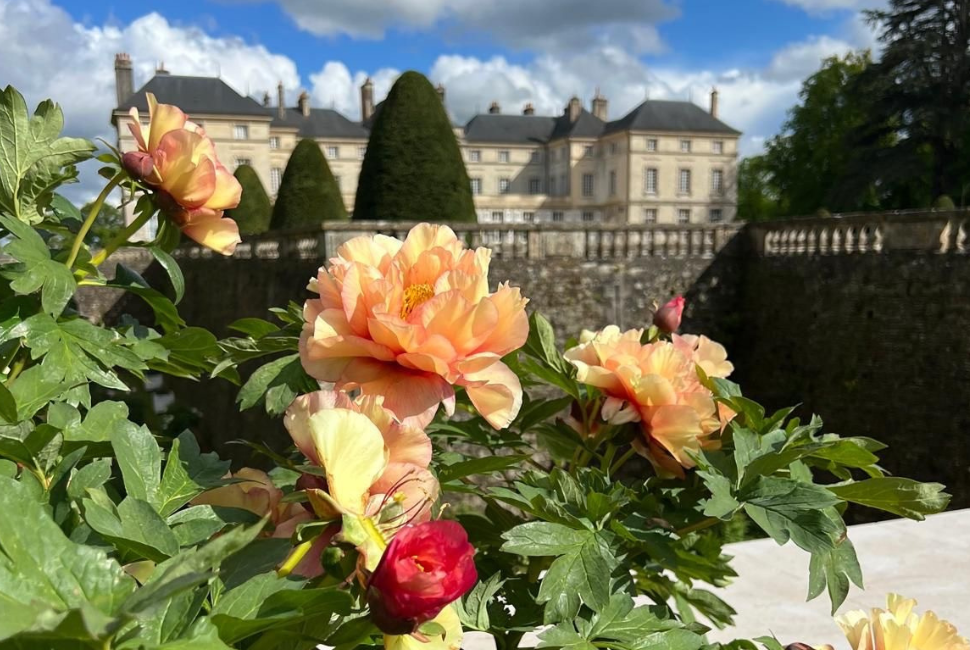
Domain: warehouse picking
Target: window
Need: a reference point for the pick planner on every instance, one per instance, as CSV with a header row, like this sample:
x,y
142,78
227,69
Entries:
x,y
717,146
563,186
650,215
241,132
476,186
503,185
552,185
497,216
683,216
557,216
333,152
717,181
651,144
244,161
588,151
716,215
535,156
684,187
361,152
529,217
275,178
685,146
612,182
650,180
503,156
274,142
475,155
587,185
613,148
535,185
587,216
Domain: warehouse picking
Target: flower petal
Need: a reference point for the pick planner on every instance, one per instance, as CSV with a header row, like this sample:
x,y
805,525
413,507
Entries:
x,y
221,235
496,393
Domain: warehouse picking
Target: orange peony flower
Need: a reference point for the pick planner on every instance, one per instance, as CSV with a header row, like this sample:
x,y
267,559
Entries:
x,y
899,628
657,385
194,188
409,320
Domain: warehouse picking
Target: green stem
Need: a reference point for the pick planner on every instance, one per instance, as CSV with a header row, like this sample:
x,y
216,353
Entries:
x,y
122,237
608,457
621,461
295,557
16,369
92,215
698,525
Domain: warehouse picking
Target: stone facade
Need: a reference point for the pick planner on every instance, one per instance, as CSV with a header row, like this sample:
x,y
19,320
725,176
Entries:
x,y
861,319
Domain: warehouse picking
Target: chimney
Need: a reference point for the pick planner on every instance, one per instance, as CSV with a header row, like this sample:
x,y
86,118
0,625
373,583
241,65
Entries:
x,y
124,80
441,93
494,109
574,109
266,100
598,107
280,101
529,109
304,103
366,100
160,69
714,102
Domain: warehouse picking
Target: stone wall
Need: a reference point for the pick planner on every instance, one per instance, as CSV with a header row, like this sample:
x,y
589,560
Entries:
x,y
863,319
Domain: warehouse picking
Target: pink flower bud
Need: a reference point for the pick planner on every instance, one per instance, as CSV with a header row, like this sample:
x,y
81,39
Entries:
x,y
667,318
138,163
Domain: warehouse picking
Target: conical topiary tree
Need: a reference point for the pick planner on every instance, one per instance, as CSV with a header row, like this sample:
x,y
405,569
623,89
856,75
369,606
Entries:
x,y
413,170
308,193
253,213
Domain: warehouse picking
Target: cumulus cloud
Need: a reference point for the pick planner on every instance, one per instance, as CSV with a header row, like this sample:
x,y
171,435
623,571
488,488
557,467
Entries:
x,y
825,6
537,25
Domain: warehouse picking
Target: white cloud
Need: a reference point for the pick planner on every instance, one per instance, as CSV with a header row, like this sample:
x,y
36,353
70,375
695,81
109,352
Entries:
x,y
824,6
334,87
799,60
537,25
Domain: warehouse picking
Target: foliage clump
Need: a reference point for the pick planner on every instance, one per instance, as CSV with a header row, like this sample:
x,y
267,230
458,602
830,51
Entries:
x,y
308,194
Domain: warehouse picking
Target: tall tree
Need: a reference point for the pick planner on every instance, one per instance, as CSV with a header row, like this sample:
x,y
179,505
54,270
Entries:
x,y
413,169
809,162
921,88
308,193
254,211
757,196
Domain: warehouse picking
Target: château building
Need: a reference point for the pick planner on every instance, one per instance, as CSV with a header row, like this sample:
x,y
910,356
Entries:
x,y
663,162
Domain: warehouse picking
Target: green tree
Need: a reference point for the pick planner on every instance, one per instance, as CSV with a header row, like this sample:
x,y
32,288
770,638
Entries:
x,y
254,210
109,222
413,169
308,193
757,196
811,161
920,91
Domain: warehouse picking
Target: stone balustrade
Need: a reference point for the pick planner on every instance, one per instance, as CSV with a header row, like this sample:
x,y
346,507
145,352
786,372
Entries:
x,y
507,241
928,231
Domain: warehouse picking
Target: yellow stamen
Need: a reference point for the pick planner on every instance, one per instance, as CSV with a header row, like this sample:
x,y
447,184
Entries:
x,y
415,295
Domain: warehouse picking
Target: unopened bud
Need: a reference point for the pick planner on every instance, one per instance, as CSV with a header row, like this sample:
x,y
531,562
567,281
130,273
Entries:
x,y
138,164
667,318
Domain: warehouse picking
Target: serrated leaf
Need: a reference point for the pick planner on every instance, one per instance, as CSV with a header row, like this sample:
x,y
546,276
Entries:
x,y
834,569
188,473
581,573
133,527
139,458
787,509
544,539
901,496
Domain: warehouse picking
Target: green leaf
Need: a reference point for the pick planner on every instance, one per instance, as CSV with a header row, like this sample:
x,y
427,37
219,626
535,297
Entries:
x,y
476,466
133,527
473,609
171,267
834,568
900,496
140,461
722,503
541,343
280,381
199,523
101,421
8,405
787,509
37,269
34,389
254,327
188,473
91,476
544,539
583,573
33,160
166,315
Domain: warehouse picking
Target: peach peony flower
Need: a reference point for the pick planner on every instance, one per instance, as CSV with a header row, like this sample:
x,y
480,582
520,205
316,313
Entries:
x,y
194,188
657,385
254,492
899,628
368,456
409,320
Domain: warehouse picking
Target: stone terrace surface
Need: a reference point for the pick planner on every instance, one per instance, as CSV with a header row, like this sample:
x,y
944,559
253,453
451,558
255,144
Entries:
x,y
925,560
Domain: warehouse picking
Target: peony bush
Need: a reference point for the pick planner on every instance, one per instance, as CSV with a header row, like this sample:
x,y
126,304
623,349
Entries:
x,y
580,492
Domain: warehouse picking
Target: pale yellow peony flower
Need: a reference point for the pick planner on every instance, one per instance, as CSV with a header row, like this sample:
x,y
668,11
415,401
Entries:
x,y
448,619
177,158
254,491
657,385
409,320
898,628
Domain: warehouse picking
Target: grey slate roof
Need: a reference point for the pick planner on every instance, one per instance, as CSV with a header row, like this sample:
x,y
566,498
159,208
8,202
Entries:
x,y
194,95
321,123
586,125
657,115
525,129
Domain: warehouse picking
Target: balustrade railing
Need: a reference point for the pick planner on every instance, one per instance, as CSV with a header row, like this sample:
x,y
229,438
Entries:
x,y
507,241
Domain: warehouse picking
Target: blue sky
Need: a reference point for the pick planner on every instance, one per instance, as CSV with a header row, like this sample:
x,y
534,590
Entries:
x,y
756,52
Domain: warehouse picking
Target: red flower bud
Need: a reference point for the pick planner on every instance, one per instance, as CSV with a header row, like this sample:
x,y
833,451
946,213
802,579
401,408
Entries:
x,y
667,318
425,568
138,163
